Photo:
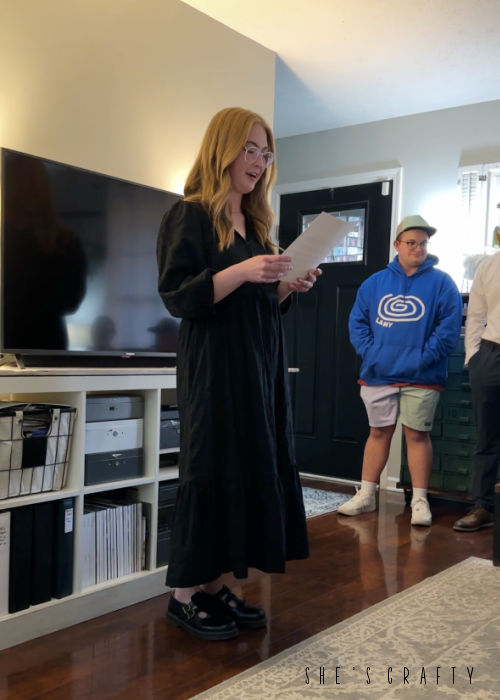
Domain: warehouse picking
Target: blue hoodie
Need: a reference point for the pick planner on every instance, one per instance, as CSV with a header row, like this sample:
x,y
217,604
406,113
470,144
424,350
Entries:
x,y
404,327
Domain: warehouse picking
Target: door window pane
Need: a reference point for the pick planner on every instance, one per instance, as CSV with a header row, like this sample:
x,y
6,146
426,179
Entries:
x,y
352,246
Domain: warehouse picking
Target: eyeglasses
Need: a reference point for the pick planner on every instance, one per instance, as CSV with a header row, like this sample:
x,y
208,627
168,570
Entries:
x,y
252,154
415,244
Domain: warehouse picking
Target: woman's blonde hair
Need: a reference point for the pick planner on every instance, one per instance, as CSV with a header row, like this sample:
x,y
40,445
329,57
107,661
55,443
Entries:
x,y
209,181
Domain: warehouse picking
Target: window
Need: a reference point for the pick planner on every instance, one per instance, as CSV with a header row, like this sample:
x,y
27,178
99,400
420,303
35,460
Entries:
x,y
352,246
479,193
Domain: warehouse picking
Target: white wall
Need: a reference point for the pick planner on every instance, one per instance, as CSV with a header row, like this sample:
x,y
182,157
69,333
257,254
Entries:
x,y
125,87
429,147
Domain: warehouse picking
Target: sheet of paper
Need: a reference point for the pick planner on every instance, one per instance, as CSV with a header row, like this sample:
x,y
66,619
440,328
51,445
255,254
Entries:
x,y
313,245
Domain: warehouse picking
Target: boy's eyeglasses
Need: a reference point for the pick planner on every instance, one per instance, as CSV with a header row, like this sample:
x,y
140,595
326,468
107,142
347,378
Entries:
x,y
415,244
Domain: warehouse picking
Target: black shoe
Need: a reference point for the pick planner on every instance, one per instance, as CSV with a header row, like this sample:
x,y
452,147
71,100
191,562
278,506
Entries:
x,y
201,617
475,519
237,609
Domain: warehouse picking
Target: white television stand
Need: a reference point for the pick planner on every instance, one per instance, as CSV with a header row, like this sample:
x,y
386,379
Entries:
x,y
72,386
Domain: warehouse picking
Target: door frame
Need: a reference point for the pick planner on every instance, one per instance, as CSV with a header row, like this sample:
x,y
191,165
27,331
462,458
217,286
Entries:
x,y
390,475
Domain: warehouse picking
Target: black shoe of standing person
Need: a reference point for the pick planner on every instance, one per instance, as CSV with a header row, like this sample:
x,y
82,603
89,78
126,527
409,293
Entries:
x,y
237,609
201,617
475,519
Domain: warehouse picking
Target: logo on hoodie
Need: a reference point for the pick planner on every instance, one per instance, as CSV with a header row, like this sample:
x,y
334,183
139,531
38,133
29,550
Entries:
x,y
399,308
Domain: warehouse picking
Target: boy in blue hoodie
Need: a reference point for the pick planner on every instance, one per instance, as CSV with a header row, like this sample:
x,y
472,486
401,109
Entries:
x,y
405,322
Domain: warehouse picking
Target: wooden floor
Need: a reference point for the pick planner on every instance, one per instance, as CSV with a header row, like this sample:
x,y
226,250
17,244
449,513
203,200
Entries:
x,y
135,653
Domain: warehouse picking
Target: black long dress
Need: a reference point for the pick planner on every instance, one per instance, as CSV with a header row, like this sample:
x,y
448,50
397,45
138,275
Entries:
x,y
239,502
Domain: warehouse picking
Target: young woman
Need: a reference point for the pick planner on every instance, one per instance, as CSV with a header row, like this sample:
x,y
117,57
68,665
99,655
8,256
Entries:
x,y
239,502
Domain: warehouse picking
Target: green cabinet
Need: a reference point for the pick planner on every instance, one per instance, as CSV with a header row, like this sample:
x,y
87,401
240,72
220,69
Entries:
x,y
453,435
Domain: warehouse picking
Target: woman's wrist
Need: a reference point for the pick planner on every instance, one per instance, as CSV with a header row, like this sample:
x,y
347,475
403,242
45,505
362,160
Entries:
x,y
227,280
240,273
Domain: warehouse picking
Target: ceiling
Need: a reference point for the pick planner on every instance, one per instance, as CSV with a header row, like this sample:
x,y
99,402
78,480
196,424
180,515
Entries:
x,y
345,62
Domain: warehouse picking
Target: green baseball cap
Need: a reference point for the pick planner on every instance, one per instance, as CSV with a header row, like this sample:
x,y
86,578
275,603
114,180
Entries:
x,y
415,221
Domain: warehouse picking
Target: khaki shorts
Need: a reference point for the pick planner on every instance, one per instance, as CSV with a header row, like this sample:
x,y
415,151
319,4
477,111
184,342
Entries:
x,y
413,405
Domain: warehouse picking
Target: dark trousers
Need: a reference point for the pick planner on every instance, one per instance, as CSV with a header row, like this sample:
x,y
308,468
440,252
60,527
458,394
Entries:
x,y
484,372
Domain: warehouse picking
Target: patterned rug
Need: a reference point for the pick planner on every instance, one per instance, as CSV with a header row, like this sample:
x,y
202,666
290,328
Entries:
x,y
319,501
439,639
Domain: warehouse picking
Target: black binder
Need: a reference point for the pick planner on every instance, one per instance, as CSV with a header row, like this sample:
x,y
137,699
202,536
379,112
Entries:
x,y
42,556
62,570
21,527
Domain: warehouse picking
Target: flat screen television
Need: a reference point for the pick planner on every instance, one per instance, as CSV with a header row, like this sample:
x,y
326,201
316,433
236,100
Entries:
x,y
78,272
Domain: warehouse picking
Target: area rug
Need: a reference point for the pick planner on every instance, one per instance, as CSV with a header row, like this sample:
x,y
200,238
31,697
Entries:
x,y
438,639
319,501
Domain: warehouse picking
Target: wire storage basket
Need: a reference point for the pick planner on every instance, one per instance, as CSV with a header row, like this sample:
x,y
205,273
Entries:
x,y
35,442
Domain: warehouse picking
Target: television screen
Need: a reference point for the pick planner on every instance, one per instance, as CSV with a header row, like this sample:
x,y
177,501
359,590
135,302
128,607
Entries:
x,y
79,275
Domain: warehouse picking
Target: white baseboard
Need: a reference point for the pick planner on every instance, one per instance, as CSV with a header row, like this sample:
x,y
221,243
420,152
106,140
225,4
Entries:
x,y
390,483
49,617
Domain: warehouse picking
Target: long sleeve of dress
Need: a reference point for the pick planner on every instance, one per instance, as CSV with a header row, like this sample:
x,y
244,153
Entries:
x,y
185,279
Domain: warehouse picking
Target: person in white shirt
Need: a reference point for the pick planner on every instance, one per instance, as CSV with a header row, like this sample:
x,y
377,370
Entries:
x,y
482,355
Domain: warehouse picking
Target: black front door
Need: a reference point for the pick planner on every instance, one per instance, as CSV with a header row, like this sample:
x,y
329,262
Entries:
x,y
330,420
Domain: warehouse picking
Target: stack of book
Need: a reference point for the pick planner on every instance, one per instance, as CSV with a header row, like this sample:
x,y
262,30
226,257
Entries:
x,y
114,537
36,554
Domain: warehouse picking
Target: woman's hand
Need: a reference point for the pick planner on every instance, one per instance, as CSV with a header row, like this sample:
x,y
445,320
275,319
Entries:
x,y
260,268
304,284
265,268
301,284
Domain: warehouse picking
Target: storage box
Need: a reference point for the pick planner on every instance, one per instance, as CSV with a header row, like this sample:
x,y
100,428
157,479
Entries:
x,y
113,436
35,442
113,466
169,427
114,407
167,494
163,548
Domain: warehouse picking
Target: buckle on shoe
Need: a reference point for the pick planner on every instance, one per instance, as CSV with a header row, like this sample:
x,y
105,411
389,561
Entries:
x,y
189,610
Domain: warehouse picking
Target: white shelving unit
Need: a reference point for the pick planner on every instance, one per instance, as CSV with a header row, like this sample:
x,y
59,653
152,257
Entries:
x,y
72,387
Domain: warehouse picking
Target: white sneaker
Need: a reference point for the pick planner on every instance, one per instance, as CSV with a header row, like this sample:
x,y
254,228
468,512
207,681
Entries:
x,y
420,512
361,502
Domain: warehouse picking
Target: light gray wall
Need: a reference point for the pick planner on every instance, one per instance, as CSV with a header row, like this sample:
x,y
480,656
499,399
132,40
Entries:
x,y
429,147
